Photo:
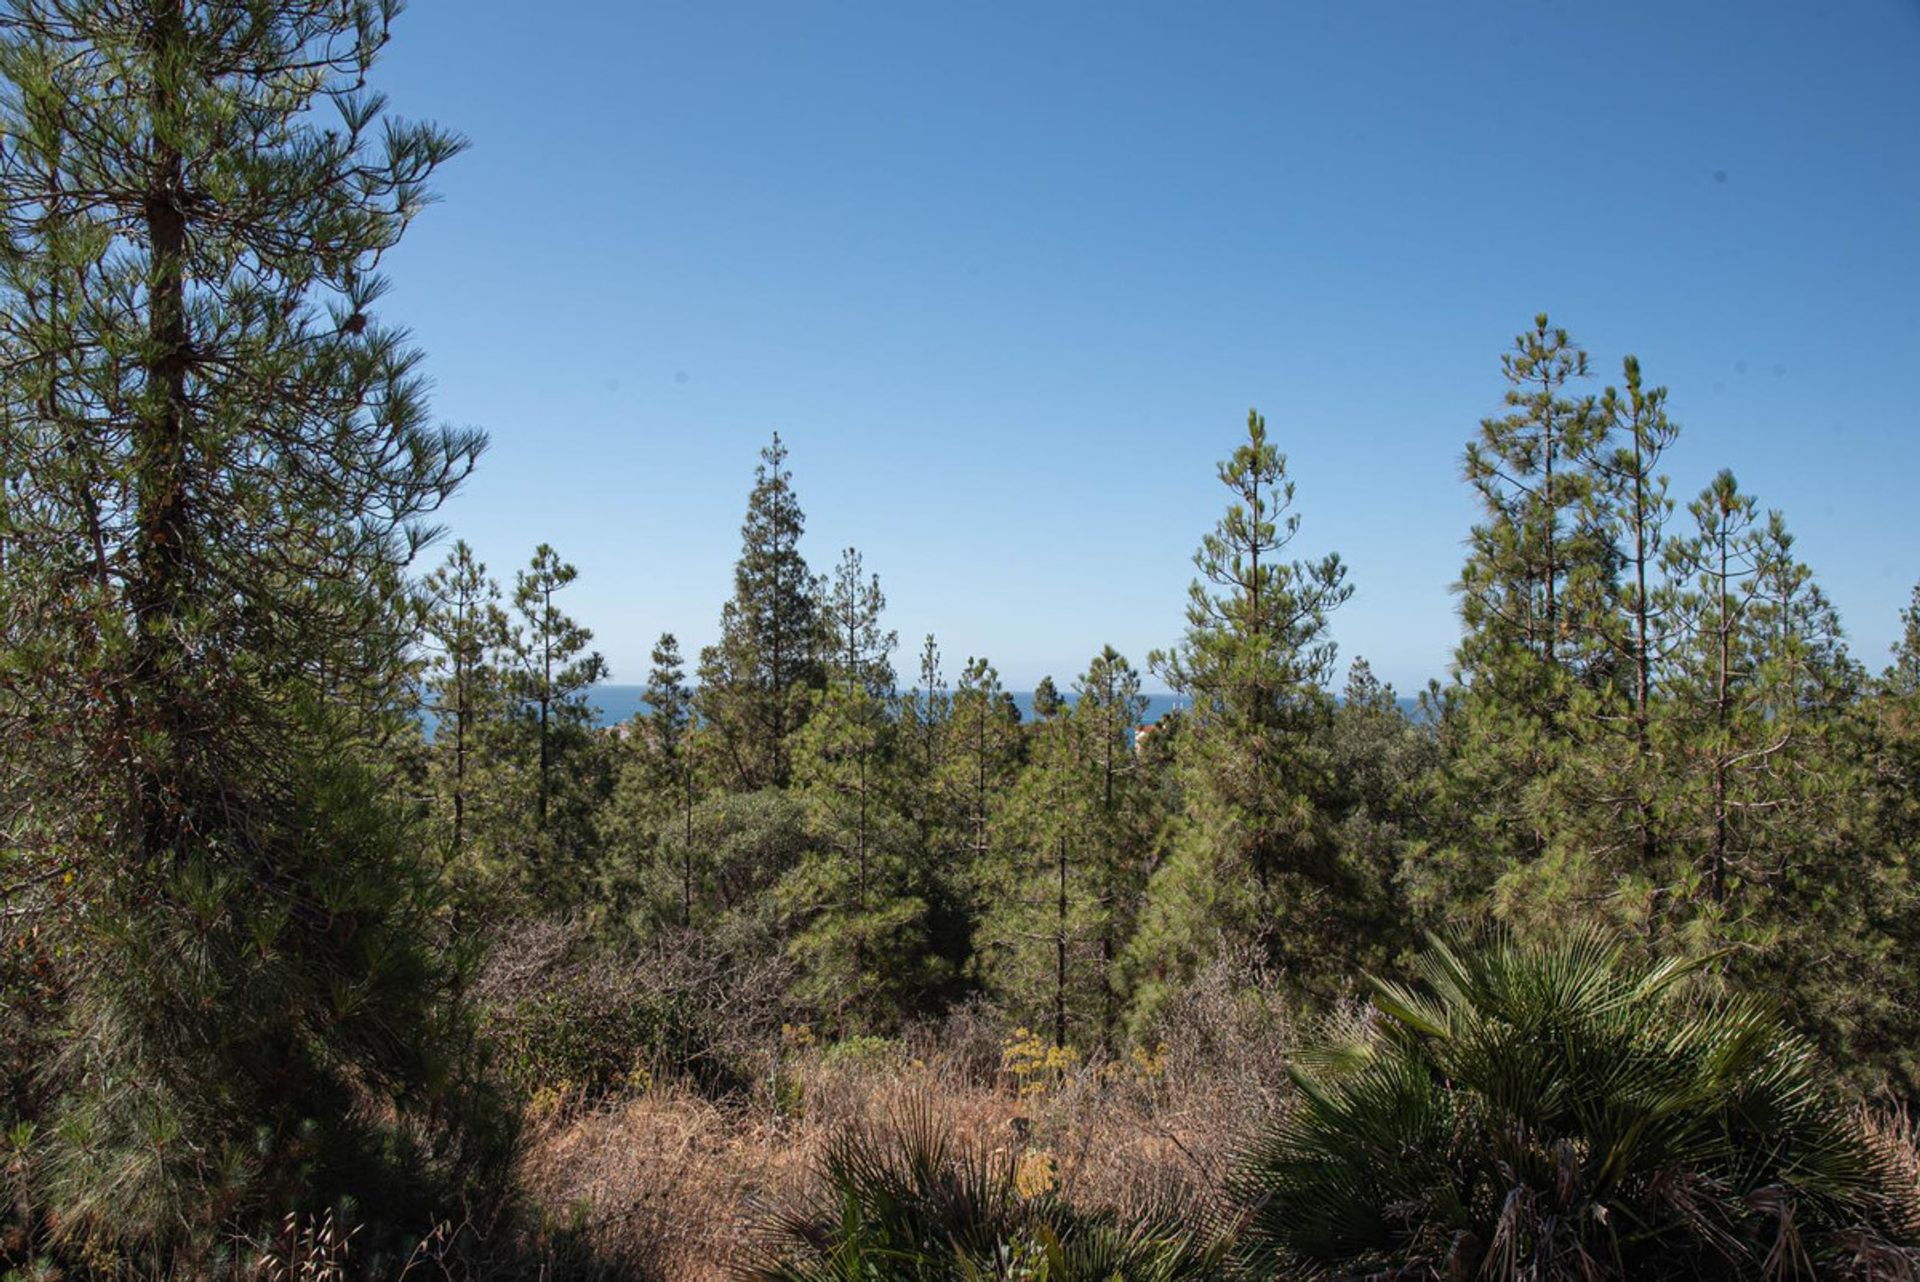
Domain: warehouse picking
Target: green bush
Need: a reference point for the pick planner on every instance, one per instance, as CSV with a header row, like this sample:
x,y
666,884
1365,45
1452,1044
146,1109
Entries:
x,y
1555,1111
605,1027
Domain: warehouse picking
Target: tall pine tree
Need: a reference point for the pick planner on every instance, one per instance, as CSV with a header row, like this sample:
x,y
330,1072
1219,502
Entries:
x,y
756,682
465,629
551,671
1253,861
217,463
860,925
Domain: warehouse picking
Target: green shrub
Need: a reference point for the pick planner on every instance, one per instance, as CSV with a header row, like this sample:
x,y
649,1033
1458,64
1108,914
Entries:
x,y
862,1049
603,1027
1555,1111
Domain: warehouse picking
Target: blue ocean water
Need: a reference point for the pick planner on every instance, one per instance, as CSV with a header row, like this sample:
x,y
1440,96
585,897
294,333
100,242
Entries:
x,y
613,704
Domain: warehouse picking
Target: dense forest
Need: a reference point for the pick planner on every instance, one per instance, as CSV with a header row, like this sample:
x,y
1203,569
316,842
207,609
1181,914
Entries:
x,y
337,940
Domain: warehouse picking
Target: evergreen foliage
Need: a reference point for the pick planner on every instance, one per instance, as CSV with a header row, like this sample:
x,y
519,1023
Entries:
x,y
267,801
218,465
1059,898
1253,861
466,692
756,682
861,931
555,772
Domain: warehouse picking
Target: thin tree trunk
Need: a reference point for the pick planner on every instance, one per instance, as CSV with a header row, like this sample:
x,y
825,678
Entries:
x,y
160,458
460,713
1718,878
1060,955
686,847
1642,655
546,697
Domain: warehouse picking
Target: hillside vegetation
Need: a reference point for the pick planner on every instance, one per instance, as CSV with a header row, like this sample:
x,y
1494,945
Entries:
x,y
1603,966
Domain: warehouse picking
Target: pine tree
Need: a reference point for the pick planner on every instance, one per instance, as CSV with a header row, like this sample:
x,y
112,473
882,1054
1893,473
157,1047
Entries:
x,y
861,933
756,681
1060,892
216,466
1379,761
861,655
647,826
981,759
669,719
1253,858
1537,585
1636,495
465,630
927,741
1539,661
1038,904
1876,1029
1607,777
1902,676
926,714
552,670
1718,566
1787,848
1046,700
1123,817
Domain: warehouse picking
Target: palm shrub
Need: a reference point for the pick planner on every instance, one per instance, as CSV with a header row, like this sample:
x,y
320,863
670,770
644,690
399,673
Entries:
x,y
1555,1110
905,1199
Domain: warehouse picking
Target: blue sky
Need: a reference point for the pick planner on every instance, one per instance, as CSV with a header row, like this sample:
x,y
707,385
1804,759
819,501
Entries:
x,y
1007,278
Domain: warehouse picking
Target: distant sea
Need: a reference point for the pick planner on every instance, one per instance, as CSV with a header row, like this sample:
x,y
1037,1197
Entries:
x,y
613,704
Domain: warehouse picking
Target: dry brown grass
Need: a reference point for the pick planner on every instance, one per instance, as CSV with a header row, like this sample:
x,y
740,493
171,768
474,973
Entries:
x,y
665,1184
1894,1134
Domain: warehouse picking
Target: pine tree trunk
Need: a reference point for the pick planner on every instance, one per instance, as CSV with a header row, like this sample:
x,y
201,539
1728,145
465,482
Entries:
x,y
546,698
1110,876
160,459
686,850
1553,518
1642,658
460,714
1717,884
1060,955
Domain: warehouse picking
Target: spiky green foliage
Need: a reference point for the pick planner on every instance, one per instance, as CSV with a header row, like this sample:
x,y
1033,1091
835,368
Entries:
x,y
1554,1110
856,899
552,751
1057,902
905,1200
979,756
466,691
657,780
218,464
1536,595
756,682
737,847
1253,862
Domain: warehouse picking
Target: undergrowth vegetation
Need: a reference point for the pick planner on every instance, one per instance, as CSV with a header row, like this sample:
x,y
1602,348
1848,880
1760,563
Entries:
x,y
1512,1112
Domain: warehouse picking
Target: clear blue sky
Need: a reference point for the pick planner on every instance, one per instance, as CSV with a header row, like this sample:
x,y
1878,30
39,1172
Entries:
x,y
1007,278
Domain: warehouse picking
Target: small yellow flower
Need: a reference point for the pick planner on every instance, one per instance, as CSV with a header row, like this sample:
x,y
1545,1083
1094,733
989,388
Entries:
x,y
1033,1063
